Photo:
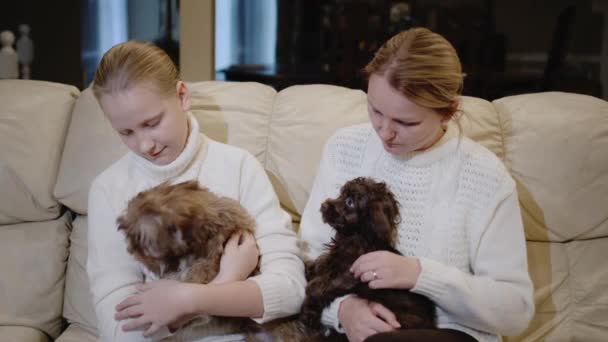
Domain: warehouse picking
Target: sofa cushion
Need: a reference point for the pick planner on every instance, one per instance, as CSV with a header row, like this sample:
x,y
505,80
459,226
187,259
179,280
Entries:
x,y
76,333
571,303
91,146
34,117
303,118
480,121
234,113
22,334
33,259
555,148
16,205
77,302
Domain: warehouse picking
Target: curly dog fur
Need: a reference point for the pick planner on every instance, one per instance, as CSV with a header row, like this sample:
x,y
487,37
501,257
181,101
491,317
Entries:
x,y
365,217
179,232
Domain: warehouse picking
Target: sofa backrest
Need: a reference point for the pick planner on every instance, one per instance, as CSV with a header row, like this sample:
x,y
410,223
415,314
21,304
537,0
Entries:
x,y
556,148
34,118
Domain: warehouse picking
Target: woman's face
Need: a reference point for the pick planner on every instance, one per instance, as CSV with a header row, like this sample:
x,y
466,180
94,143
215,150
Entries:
x,y
151,124
402,125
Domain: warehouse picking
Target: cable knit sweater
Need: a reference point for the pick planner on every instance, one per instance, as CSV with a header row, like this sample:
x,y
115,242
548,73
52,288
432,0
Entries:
x,y
225,170
460,217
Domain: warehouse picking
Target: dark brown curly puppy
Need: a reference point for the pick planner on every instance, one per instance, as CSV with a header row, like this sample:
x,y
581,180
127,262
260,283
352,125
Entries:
x,y
365,217
179,232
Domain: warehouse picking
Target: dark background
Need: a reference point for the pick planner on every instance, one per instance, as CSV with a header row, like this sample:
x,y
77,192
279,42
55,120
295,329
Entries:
x,y
506,46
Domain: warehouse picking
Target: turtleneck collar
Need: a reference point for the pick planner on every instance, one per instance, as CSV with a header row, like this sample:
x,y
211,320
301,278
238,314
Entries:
x,y
160,173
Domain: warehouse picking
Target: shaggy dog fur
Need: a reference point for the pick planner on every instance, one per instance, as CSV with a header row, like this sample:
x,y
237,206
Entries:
x,y
365,217
179,232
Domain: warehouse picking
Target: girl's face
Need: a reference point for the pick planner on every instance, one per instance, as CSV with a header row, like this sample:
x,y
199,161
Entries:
x,y
402,125
151,124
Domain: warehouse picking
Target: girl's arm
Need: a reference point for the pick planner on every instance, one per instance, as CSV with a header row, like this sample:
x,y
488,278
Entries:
x,y
281,281
113,274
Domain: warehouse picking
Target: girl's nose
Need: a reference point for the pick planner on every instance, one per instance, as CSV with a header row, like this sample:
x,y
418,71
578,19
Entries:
x,y
146,145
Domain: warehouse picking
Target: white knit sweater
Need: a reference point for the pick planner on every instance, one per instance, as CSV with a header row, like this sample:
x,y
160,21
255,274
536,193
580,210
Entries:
x,y
225,170
460,217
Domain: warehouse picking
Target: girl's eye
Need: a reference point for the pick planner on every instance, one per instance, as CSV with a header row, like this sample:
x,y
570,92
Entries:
x,y
153,124
350,202
125,133
408,124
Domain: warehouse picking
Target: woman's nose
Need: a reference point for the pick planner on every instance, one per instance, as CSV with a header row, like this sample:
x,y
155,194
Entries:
x,y
387,132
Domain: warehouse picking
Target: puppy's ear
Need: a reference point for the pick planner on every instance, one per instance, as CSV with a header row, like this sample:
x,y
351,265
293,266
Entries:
x,y
122,223
381,220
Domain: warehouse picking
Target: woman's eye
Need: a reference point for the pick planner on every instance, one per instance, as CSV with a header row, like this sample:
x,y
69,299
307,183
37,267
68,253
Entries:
x,y
349,202
125,133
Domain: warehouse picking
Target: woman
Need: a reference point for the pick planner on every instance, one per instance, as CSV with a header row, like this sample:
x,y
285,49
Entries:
x,y
140,93
461,233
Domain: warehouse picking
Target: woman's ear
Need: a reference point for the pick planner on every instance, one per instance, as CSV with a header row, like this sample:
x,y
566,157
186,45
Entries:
x,y
183,93
449,112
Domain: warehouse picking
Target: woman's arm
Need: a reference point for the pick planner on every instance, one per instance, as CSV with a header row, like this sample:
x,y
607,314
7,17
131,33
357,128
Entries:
x,y
498,296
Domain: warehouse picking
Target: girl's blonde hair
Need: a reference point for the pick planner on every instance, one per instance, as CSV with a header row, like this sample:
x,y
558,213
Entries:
x,y
423,66
133,62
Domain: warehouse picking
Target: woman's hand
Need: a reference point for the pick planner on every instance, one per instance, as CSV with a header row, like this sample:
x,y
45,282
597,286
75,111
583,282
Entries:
x,y
361,319
157,304
386,270
239,259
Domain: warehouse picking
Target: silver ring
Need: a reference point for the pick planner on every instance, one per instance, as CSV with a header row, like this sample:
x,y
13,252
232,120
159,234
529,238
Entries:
x,y
374,275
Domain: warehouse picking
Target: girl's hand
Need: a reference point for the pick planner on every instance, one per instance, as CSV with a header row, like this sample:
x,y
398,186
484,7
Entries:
x,y
157,304
386,270
362,319
239,259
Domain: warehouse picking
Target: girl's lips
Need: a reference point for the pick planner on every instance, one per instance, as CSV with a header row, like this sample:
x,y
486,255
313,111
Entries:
x,y
154,155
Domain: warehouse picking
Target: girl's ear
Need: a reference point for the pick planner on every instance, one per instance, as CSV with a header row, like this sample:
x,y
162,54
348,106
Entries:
x,y
183,93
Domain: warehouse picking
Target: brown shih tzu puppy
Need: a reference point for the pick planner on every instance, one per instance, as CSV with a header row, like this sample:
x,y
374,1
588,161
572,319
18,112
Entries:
x,y
179,232
365,217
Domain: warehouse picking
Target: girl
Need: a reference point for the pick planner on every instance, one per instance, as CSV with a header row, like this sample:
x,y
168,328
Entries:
x,y
139,90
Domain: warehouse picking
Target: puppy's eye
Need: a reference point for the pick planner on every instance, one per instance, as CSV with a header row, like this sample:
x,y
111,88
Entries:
x,y
350,202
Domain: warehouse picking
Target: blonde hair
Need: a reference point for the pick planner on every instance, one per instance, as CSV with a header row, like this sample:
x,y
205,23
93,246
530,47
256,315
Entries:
x,y
133,62
423,66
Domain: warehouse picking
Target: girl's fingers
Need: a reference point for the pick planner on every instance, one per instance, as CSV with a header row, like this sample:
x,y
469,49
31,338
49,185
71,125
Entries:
x,y
151,330
385,314
136,324
133,300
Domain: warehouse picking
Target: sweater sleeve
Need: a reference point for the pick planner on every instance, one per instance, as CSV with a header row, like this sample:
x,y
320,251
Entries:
x,y
112,272
281,279
498,296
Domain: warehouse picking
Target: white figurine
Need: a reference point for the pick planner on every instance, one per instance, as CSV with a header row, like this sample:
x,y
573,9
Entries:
x,y
25,50
9,61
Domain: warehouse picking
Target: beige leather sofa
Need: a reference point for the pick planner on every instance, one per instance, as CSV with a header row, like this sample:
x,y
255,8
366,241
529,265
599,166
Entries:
x,y
54,140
